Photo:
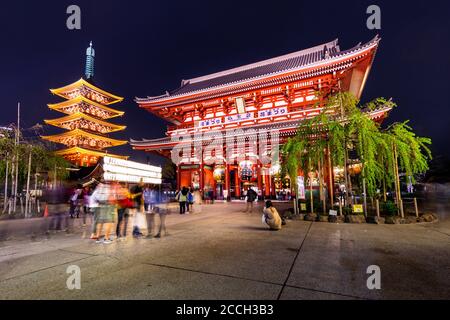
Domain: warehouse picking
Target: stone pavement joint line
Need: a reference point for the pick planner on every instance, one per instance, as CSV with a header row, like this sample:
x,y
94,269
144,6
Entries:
x,y
43,269
210,273
295,259
254,280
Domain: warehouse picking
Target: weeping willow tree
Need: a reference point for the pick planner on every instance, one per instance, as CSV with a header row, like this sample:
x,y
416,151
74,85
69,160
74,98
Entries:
x,y
43,160
307,152
380,153
366,137
406,152
16,167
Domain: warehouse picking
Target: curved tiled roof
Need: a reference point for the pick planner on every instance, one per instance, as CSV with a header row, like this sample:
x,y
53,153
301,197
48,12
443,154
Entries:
x,y
292,61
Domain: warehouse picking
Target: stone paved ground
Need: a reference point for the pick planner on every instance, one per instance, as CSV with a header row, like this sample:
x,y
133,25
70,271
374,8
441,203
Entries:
x,y
222,253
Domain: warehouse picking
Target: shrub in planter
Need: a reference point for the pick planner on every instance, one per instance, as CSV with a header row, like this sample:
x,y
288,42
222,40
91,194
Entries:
x,y
317,206
347,211
389,208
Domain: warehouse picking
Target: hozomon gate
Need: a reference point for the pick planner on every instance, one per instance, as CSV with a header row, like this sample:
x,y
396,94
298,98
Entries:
x,y
245,105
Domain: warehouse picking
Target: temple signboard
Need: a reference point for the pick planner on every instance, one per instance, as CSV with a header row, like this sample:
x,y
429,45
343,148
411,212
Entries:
x,y
239,117
210,122
272,112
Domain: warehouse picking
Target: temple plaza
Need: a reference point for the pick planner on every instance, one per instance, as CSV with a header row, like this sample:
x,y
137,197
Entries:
x,y
219,252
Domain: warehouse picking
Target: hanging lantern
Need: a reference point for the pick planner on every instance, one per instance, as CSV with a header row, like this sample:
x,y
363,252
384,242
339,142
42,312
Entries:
x,y
246,169
219,173
275,169
355,168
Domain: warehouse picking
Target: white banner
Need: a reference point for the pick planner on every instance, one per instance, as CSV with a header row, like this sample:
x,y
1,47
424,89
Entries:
x,y
301,187
272,112
209,122
239,117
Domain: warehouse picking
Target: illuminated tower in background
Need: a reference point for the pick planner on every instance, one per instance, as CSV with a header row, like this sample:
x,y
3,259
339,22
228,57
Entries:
x,y
90,56
86,109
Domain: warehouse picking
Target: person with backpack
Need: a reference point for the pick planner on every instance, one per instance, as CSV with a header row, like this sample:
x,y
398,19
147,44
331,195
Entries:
x,y
137,198
251,197
182,199
190,200
74,202
123,204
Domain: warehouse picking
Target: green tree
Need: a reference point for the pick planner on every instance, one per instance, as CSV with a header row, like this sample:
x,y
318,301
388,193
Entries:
x,y
343,126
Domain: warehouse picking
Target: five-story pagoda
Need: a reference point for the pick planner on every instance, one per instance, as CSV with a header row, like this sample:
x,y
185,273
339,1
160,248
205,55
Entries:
x,y
87,109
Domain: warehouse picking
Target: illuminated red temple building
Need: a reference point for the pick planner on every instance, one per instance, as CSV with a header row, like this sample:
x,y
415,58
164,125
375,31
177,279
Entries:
x,y
274,94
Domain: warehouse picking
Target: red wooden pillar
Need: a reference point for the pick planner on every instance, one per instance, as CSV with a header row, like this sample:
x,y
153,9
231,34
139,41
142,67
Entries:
x,y
267,183
237,184
260,182
202,175
227,180
178,177
202,178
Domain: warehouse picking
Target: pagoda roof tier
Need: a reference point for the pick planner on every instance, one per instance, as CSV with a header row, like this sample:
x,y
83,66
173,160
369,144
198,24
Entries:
x,y
87,89
318,60
83,121
84,138
81,104
285,128
81,152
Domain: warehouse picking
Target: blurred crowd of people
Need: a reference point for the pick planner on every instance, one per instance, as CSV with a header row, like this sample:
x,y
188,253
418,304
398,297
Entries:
x,y
109,207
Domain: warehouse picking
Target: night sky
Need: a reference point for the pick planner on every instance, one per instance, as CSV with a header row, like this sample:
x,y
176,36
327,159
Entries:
x,y
147,47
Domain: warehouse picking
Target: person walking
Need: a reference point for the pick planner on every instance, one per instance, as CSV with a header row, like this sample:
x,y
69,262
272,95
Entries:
x,y
74,205
189,200
123,204
95,208
137,196
182,198
147,193
251,197
162,212
86,194
149,204
105,198
153,198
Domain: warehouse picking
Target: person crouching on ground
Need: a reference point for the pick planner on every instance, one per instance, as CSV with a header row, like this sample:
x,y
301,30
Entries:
x,y
271,216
